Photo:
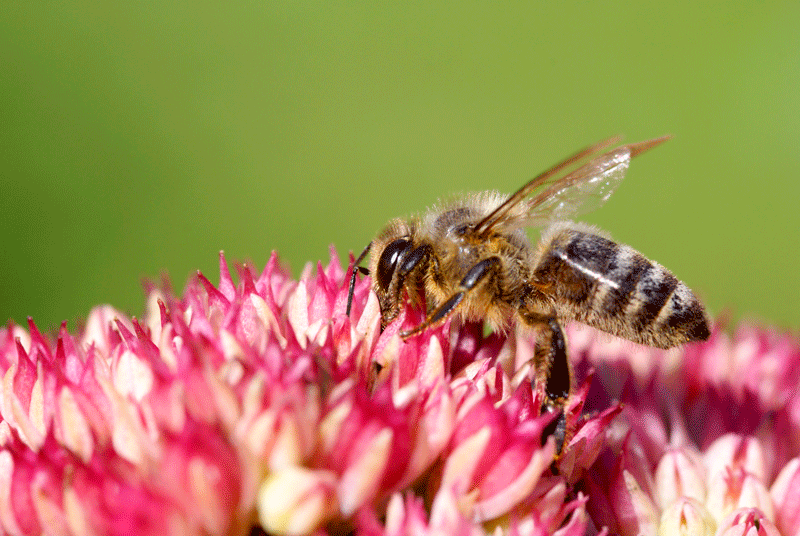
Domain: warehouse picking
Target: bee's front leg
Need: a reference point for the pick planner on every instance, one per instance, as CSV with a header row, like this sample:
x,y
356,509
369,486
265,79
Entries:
x,y
356,269
484,270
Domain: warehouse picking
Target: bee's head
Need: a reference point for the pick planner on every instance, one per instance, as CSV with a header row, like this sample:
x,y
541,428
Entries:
x,y
389,260
390,250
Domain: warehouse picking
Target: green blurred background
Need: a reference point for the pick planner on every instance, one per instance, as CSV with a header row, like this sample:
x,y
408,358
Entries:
x,y
143,137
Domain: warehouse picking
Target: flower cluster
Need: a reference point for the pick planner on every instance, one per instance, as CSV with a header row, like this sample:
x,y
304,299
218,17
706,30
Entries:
x,y
708,440
260,405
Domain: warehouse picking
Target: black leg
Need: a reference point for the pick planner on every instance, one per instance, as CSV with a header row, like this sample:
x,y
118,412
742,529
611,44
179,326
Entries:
x,y
415,261
418,257
356,269
479,272
550,355
552,368
556,428
558,381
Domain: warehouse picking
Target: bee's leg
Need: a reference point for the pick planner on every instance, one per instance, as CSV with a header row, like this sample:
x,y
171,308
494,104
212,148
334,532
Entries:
x,y
356,268
486,268
552,367
415,261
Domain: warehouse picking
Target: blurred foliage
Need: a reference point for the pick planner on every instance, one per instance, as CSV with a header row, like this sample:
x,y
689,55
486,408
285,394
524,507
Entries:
x,y
143,137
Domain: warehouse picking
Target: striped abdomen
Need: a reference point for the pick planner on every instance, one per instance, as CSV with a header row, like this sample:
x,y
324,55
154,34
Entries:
x,y
616,289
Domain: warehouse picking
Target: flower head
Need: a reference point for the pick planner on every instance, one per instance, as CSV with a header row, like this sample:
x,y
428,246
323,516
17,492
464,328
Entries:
x,y
704,432
260,403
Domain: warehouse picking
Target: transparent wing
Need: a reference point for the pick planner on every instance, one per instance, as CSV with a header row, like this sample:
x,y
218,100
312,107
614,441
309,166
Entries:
x,y
505,211
583,191
564,191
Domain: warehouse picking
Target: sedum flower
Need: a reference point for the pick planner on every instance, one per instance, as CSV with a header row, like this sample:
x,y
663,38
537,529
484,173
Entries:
x,y
785,492
747,522
294,500
685,516
260,405
707,441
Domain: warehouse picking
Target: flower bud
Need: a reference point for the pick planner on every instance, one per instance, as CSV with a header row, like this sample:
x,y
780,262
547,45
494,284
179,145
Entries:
x,y
686,517
785,494
296,500
747,522
734,489
680,473
732,450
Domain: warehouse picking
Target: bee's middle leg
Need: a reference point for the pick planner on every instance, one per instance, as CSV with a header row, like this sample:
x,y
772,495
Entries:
x,y
551,367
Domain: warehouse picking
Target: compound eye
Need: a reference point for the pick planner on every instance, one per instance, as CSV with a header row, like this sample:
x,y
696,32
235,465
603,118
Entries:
x,y
387,264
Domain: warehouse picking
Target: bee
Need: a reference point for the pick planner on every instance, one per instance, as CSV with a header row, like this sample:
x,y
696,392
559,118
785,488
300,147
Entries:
x,y
471,258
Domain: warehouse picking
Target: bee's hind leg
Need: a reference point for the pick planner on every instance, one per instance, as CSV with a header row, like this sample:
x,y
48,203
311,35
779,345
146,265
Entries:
x,y
552,368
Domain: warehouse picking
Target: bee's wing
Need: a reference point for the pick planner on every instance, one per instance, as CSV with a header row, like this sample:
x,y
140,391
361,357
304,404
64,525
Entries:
x,y
582,191
501,213
564,194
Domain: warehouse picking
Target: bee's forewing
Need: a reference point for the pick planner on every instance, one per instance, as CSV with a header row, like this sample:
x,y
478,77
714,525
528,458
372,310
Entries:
x,y
502,213
584,190
564,194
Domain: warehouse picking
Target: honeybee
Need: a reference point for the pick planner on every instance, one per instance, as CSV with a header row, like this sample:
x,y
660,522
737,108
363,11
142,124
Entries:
x,y
472,258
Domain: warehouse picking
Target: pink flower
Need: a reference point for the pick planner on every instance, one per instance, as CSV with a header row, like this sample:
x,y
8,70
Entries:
x,y
785,494
703,434
260,403
747,522
686,516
